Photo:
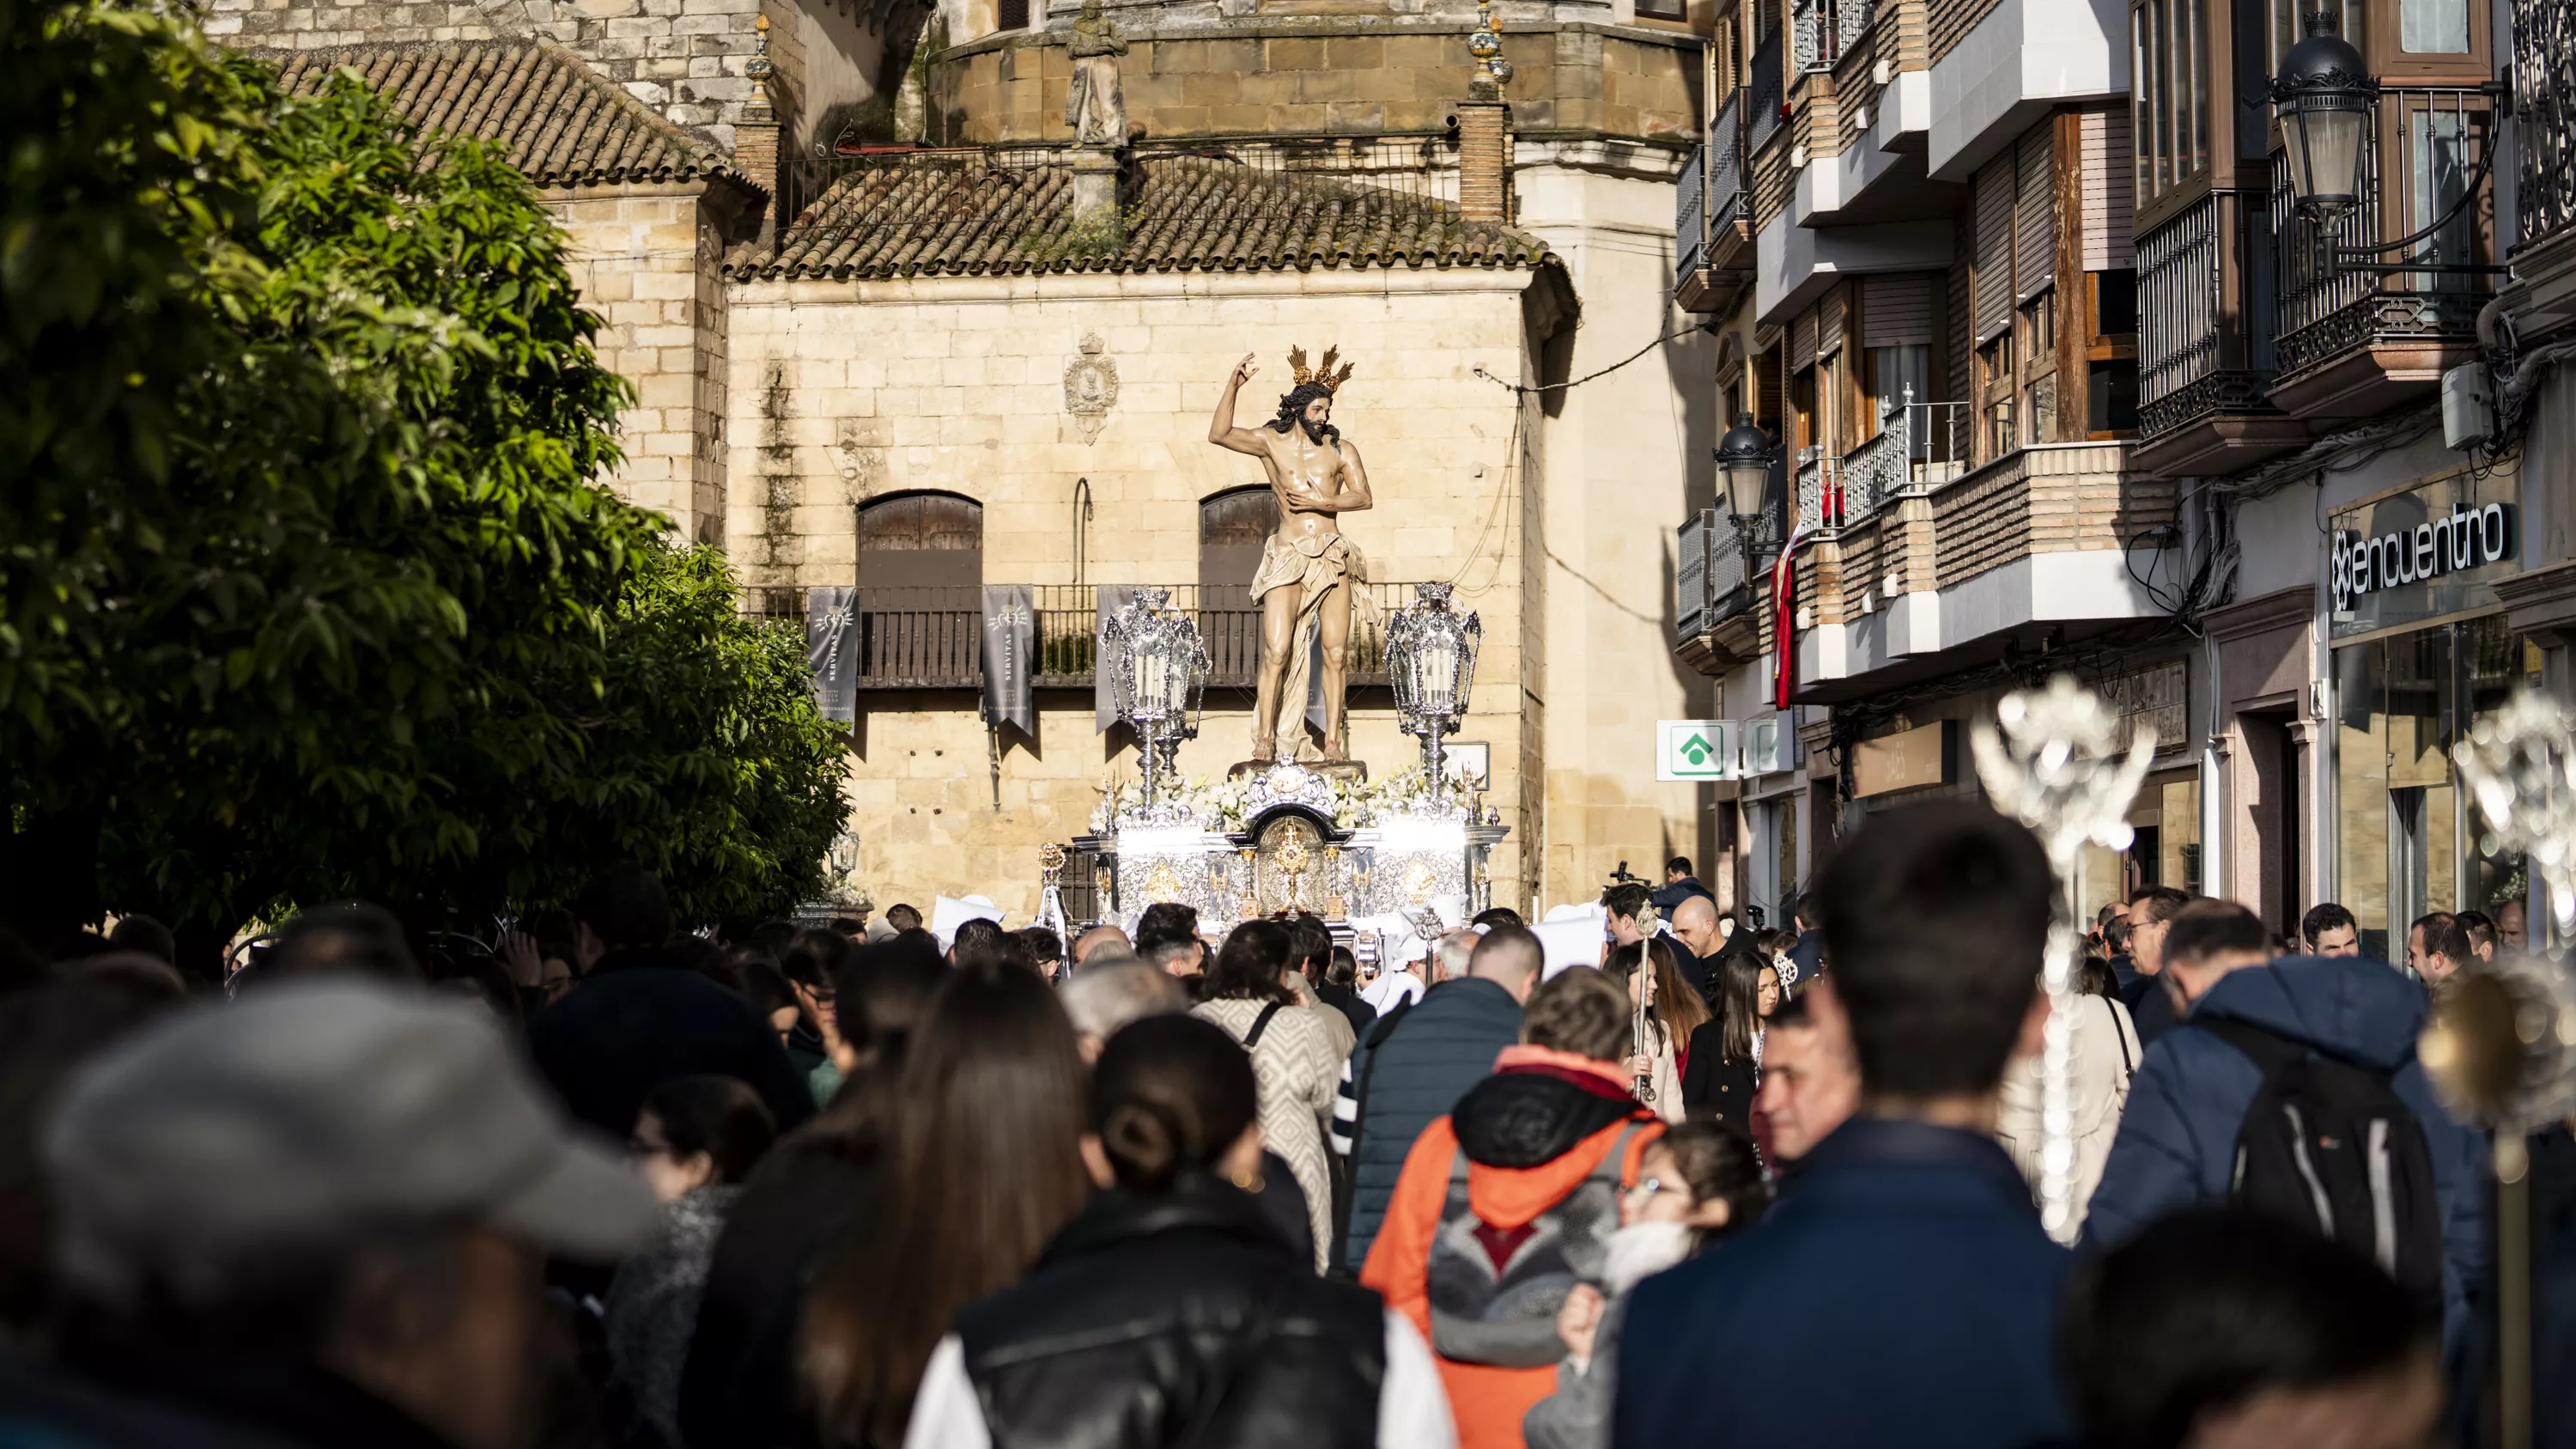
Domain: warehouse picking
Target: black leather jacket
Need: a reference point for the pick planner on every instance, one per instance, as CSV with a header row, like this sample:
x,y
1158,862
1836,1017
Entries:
x,y
1175,1320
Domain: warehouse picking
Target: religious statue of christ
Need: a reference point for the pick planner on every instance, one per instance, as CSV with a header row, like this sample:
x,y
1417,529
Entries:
x,y
1311,577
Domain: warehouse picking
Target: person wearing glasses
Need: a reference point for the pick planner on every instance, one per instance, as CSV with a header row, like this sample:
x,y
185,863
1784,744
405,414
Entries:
x,y
1697,1183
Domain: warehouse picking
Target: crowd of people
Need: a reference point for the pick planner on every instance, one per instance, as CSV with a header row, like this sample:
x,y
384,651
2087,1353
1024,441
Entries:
x,y
616,1182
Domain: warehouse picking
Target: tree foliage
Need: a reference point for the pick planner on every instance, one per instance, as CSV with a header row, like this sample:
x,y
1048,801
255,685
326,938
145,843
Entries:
x,y
309,590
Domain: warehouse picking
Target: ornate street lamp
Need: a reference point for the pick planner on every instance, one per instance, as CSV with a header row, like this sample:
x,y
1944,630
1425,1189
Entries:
x,y
2327,102
1431,661
1744,466
2325,96
1158,668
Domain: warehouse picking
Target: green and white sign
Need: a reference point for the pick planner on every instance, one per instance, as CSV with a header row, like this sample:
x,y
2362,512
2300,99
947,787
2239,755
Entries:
x,y
1696,749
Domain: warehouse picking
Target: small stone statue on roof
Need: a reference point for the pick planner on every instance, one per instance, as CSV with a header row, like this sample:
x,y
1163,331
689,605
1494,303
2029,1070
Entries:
x,y
1096,106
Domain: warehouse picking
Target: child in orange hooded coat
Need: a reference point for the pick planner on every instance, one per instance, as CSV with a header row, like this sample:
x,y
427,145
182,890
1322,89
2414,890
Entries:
x,y
1509,1201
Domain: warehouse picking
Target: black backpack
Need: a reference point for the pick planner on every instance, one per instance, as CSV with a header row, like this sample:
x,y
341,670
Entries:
x,y
2329,1145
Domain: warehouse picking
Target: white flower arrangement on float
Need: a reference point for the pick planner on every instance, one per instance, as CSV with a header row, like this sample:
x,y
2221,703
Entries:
x,y
1209,804
1221,805
1406,792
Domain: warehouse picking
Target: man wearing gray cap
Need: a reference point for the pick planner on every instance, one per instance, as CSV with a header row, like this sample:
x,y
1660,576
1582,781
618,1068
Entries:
x,y
317,1217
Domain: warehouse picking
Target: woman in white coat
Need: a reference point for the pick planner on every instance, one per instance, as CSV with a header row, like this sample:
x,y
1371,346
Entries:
x,y
2106,1051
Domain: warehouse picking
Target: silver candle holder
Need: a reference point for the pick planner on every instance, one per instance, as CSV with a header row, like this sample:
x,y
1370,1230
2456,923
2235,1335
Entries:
x,y
2052,765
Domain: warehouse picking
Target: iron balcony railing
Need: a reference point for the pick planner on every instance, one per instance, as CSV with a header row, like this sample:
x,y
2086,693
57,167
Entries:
x,y
1918,446
1823,30
1815,35
2179,306
2544,116
1726,199
2325,310
933,638
1714,578
1690,225
1851,22
2185,267
1767,94
1711,194
1820,502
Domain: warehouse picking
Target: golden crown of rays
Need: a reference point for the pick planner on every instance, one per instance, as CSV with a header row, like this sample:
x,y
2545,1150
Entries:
x,y
1324,376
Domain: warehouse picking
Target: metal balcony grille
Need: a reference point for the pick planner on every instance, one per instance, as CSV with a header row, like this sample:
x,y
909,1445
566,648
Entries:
x,y
933,638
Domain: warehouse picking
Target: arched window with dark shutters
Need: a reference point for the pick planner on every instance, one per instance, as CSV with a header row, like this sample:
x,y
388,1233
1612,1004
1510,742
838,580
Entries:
x,y
1233,527
921,574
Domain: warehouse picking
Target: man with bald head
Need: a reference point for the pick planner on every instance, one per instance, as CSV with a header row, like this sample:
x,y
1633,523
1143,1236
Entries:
x,y
1695,926
1416,1062
1093,939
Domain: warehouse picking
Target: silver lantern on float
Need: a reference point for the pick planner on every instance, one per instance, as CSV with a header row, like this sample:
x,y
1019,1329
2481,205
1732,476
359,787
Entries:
x,y
1431,662
1158,669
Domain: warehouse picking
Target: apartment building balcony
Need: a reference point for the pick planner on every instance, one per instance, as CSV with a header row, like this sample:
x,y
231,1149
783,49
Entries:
x,y
1718,585
1869,149
1997,65
1713,250
932,637
2205,354
2048,544
2352,341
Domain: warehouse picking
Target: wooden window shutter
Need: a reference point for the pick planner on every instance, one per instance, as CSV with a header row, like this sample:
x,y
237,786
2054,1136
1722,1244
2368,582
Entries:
x,y
1802,341
2037,210
1994,201
2109,193
1896,311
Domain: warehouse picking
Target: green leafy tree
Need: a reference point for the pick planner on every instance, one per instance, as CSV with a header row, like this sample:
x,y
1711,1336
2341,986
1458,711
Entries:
x,y
310,593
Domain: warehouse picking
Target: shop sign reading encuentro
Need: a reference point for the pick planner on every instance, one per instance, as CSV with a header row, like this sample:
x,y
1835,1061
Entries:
x,y
2415,555
2464,538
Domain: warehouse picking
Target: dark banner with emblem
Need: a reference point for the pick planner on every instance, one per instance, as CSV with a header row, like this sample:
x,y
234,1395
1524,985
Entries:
x,y
832,649
1010,648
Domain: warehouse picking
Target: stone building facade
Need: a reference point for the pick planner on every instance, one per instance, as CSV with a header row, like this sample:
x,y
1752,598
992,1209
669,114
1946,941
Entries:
x,y
1529,400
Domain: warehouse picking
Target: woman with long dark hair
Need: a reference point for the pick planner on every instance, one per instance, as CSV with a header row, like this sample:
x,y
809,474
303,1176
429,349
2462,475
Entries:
x,y
1291,1057
982,1164
1667,1011
1726,1054
739,1390
1170,1312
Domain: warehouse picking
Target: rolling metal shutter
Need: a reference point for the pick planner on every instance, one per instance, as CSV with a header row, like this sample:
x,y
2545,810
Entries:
x,y
2109,192
1993,274
2037,210
1896,311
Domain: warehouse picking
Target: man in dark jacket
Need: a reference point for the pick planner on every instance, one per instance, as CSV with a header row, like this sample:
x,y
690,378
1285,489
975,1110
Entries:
x,y
1679,885
1415,1064
1901,1290
1808,956
640,1018
2151,915
2177,1142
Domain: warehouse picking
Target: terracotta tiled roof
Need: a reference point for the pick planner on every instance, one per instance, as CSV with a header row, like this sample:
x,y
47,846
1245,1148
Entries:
x,y
560,122
966,215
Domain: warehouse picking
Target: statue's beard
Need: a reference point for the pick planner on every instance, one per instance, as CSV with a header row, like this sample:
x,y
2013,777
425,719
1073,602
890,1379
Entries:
x,y
1318,432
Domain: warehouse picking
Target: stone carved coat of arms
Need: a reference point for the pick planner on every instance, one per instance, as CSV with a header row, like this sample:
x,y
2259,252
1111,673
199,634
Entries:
x,y
1090,386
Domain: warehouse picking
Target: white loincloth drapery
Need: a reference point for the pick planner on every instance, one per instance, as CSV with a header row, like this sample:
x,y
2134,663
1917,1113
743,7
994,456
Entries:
x,y
1317,564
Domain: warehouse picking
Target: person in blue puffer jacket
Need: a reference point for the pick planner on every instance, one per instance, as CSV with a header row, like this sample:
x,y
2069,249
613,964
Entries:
x,y
2177,1141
